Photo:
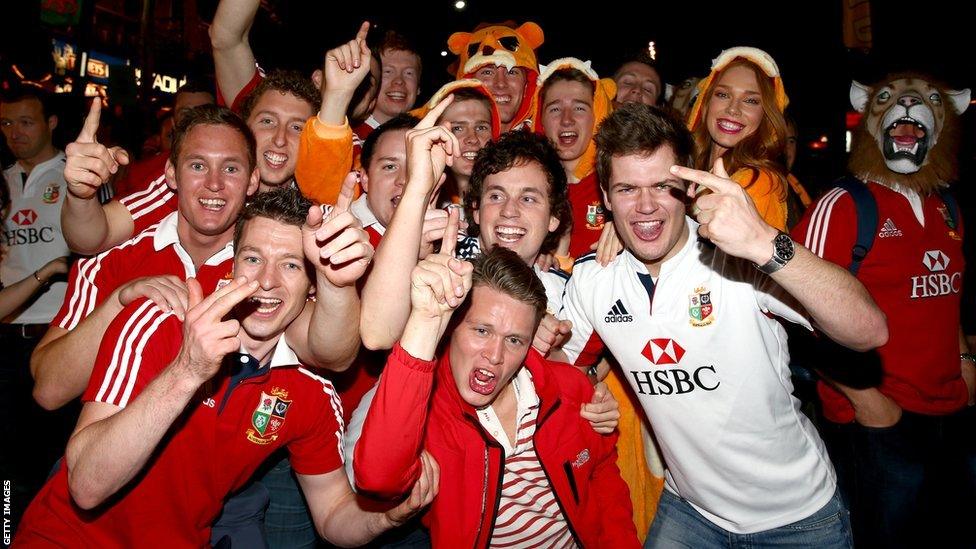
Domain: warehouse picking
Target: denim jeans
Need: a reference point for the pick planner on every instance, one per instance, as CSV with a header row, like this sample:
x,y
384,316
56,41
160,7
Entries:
x,y
241,522
909,485
678,524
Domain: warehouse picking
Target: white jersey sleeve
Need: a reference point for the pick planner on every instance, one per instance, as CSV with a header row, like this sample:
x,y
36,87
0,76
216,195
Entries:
x,y
584,346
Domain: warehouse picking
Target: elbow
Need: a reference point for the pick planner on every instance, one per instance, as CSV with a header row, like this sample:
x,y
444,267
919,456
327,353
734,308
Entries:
x,y
46,396
873,333
81,492
220,38
376,341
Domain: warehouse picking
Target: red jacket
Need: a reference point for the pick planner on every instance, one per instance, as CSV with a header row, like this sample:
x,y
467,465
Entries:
x,y
594,499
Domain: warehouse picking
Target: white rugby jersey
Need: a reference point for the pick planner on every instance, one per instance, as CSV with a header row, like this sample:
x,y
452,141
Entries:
x,y
32,233
710,366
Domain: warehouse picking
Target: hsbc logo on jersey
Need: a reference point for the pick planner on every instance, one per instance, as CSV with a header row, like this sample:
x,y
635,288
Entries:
x,y
23,231
671,379
24,217
939,282
935,260
663,351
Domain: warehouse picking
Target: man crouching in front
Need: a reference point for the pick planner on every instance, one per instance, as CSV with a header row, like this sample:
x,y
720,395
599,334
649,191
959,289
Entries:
x,y
519,467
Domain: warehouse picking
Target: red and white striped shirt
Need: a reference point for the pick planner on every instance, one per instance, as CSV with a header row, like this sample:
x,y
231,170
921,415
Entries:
x,y
528,513
153,252
150,205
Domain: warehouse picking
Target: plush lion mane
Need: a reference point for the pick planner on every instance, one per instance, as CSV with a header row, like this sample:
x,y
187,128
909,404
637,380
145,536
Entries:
x,y
940,166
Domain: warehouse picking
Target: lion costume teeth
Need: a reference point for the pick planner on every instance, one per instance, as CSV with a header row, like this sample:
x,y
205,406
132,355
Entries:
x,y
909,133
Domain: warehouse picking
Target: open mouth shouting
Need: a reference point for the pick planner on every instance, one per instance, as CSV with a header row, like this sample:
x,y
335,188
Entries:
x,y
212,204
482,381
469,155
648,230
906,138
568,138
275,160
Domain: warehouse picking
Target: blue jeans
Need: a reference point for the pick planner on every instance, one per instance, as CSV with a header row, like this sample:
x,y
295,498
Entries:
x,y
678,524
909,485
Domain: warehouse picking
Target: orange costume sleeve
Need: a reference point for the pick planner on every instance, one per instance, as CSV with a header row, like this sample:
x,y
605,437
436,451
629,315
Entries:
x,y
768,192
325,156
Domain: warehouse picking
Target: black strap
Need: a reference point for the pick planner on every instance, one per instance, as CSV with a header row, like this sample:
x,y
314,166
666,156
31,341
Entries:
x,y
867,219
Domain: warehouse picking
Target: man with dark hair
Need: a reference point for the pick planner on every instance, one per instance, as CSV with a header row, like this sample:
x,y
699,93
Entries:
x,y
497,407
182,415
212,166
638,81
671,306
31,239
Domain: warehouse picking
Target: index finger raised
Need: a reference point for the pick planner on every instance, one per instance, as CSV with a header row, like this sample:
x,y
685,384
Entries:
x,y
449,242
705,179
363,31
90,129
345,194
430,120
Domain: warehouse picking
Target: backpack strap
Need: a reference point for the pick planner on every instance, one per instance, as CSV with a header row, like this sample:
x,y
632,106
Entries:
x,y
867,219
951,206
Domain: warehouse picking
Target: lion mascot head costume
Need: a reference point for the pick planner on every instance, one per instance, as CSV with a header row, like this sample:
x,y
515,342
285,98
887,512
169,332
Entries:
x,y
506,46
909,132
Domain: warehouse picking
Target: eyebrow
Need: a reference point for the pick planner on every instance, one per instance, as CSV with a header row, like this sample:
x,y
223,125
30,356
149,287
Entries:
x,y
498,187
389,158
730,87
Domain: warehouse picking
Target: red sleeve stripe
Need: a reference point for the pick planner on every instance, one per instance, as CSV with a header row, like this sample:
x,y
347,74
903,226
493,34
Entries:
x,y
127,355
84,293
82,289
156,190
336,404
820,220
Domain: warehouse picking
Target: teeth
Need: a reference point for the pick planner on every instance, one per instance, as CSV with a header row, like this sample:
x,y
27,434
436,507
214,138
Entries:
x,y
469,155
395,201
266,304
275,159
648,224
730,126
213,203
568,134
396,96
503,99
483,377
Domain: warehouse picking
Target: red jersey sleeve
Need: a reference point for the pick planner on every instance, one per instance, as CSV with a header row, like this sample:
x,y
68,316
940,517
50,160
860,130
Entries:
x,y
829,227
319,449
237,102
150,205
387,457
90,281
139,343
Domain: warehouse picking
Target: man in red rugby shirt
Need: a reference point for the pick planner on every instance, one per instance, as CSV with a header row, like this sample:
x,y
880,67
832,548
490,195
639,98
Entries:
x,y
180,413
213,167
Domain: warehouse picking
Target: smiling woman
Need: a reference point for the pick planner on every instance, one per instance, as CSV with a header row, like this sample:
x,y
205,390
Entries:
x,y
739,118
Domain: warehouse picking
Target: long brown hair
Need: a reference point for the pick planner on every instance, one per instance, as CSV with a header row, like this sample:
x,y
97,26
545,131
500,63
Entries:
x,y
760,151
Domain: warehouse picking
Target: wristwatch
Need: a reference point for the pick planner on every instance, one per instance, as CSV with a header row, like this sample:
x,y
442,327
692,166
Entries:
x,y
783,250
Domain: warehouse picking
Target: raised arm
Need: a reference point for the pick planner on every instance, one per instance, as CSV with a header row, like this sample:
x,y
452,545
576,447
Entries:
x,y
325,154
430,149
112,444
327,332
88,226
234,62
387,456
836,301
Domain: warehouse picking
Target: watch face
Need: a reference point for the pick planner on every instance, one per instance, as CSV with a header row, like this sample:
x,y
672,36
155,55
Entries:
x,y
784,247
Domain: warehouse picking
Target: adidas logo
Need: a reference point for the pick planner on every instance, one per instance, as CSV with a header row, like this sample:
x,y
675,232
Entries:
x,y
618,313
888,229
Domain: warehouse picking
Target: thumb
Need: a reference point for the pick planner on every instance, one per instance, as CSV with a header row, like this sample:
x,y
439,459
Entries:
x,y
565,326
194,292
120,155
314,217
599,392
